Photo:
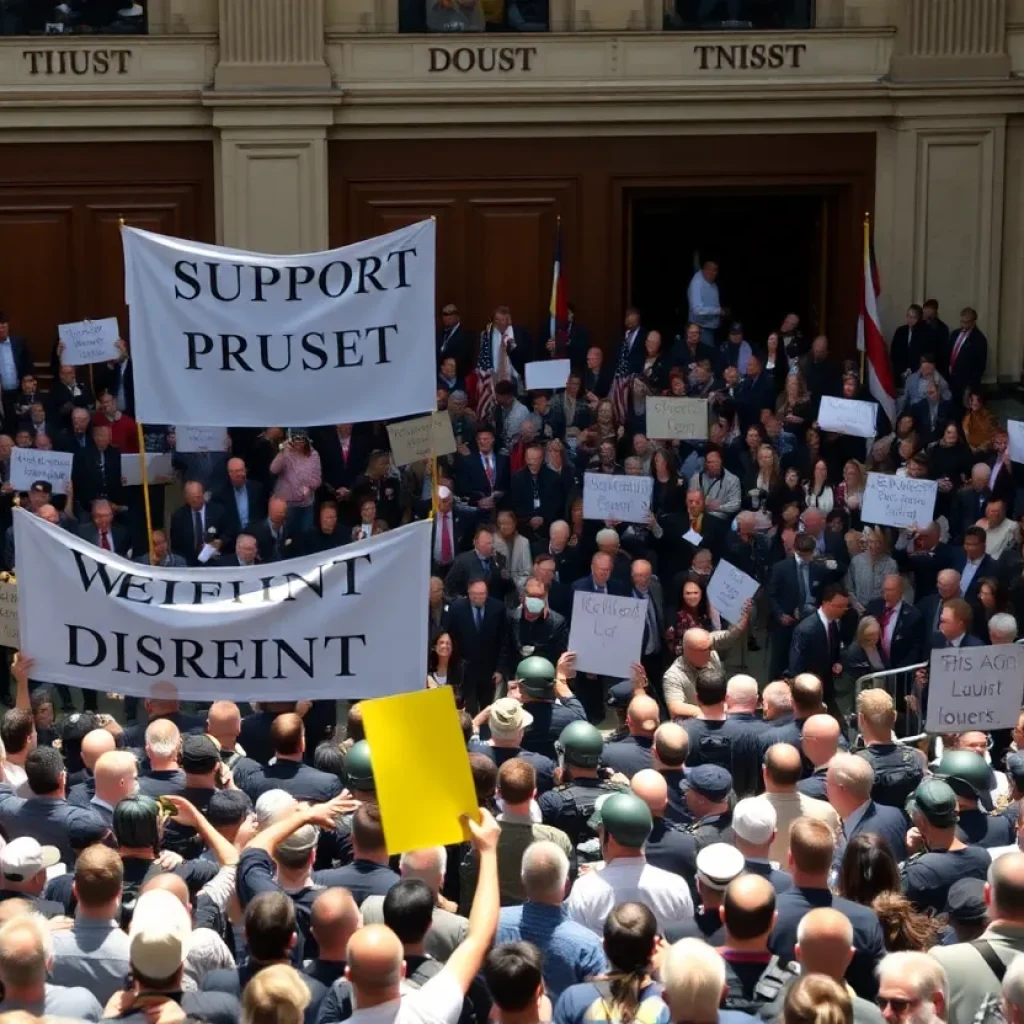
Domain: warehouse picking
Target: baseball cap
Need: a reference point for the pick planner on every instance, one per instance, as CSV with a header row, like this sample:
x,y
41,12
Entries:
x,y
754,820
718,864
1015,767
710,780
620,694
160,934
199,754
23,858
300,842
966,901
936,801
507,717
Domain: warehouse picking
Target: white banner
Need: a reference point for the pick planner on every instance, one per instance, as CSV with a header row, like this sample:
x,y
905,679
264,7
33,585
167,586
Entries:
x,y
31,464
847,416
200,439
729,589
975,688
1015,428
683,418
421,438
89,341
8,615
607,633
898,500
625,498
547,374
158,468
226,337
320,626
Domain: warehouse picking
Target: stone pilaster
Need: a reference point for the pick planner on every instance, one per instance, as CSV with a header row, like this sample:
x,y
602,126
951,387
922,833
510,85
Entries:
x,y
949,39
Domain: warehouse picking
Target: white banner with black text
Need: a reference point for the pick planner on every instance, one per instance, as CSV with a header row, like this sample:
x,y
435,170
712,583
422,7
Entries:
x,y
228,338
341,624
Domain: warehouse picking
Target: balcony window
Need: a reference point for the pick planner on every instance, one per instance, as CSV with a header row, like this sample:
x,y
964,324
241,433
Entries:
x,y
450,16
718,15
72,17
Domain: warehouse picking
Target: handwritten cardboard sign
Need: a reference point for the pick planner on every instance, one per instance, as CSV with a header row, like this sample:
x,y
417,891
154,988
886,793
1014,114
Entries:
x,y
975,688
898,500
89,341
625,498
31,464
200,439
421,438
677,418
607,633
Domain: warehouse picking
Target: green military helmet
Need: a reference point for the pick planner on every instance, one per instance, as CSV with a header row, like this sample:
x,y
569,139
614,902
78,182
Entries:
x,y
967,773
359,767
625,817
581,743
536,676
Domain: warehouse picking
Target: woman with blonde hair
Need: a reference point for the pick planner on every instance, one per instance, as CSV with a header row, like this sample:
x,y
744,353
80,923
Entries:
x,y
275,995
849,493
794,407
816,999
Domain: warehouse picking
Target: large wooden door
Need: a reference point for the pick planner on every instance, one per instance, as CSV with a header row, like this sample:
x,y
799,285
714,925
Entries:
x,y
59,234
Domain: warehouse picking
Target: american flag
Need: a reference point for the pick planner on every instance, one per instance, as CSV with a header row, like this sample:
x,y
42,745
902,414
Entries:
x,y
621,394
484,394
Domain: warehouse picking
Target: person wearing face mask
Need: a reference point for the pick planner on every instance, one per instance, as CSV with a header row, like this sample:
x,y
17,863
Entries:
x,y
532,628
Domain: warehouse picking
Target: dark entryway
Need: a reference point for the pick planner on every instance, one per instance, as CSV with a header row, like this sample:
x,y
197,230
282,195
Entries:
x,y
772,250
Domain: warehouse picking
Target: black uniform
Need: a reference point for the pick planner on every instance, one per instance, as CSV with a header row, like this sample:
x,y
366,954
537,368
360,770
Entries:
x,y
569,808
677,811
814,785
545,637
669,847
549,719
985,830
629,754
731,744
898,772
927,876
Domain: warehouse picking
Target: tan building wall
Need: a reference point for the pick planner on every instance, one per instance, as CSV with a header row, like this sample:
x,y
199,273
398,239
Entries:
x,y
269,84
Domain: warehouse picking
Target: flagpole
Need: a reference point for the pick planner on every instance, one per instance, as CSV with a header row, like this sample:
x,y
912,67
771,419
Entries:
x,y
142,466
867,242
434,497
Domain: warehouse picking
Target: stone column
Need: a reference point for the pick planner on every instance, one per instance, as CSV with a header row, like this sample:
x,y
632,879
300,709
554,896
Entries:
x,y
951,39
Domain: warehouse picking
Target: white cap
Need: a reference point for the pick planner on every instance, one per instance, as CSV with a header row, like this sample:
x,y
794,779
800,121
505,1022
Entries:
x,y
22,859
754,820
718,864
443,493
160,934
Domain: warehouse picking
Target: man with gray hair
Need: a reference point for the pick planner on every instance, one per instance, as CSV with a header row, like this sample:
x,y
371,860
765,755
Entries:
x,y
447,929
572,953
26,955
848,784
1002,628
975,969
777,701
163,748
913,989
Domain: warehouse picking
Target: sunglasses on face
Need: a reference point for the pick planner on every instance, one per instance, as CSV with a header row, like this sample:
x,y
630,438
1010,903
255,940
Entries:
x,y
899,1006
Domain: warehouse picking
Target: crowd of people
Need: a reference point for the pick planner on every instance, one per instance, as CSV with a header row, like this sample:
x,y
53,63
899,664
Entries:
x,y
691,845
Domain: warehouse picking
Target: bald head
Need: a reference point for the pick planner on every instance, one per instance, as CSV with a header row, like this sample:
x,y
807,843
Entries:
x,y
171,883
782,768
95,743
808,695
741,695
748,908
642,716
334,919
777,699
652,788
824,943
820,739
224,723
115,775
374,957
1006,882
671,746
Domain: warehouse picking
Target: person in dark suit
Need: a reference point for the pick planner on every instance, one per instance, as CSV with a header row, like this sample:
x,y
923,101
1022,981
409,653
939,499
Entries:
x,y
501,334
118,377
687,352
902,640
817,646
480,563
597,375
477,625
566,558
955,621
273,538
794,586
680,529
559,593
926,556
96,472
631,351
102,531
947,586
754,393
243,501
600,580
848,784
196,524
344,452
77,437
483,476
15,358
1004,478
829,546
454,340
937,337
246,550
970,502
931,414
66,395
811,853
906,349
449,532
571,341
967,357
536,494
973,564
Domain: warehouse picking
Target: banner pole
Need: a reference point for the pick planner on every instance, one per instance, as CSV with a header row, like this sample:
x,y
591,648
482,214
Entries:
x,y
142,466
867,242
434,499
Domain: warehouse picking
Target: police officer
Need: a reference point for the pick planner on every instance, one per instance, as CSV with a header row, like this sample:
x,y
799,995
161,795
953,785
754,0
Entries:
x,y
942,858
545,692
708,788
359,772
899,769
571,804
969,777
334,848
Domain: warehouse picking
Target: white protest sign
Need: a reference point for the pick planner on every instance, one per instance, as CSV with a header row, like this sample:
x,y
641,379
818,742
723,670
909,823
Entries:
x,y
626,498
607,633
975,688
200,439
31,464
158,468
223,335
309,627
89,341
1015,428
547,375
682,418
898,500
8,615
729,589
421,438
846,416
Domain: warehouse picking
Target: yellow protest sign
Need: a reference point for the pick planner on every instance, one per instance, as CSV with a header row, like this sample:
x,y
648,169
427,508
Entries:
x,y
420,768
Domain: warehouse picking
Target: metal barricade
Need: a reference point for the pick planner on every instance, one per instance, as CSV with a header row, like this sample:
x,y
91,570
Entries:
x,y
900,683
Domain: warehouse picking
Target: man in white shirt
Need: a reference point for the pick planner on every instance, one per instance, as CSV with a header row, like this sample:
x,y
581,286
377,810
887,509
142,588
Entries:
x,y
624,824
1000,533
705,305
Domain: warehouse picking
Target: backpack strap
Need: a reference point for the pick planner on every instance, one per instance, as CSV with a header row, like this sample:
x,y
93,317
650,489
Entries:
x,y
991,958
